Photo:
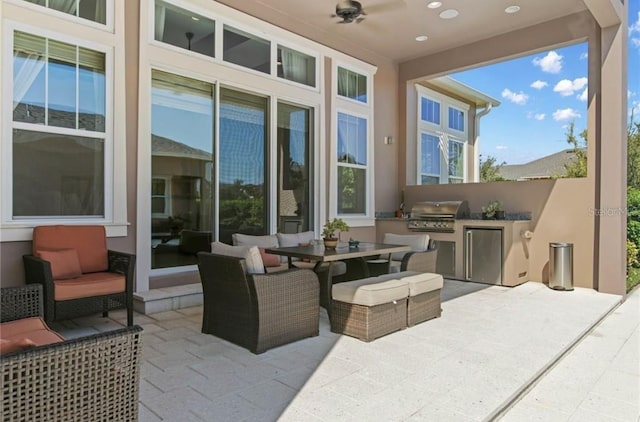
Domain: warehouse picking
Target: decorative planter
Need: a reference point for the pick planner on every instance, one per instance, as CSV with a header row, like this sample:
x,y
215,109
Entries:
x,y
486,216
500,215
330,243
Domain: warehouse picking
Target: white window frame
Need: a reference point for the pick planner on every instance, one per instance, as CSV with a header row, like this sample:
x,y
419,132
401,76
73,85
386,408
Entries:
x,y
442,131
59,26
440,159
107,26
167,196
464,160
359,109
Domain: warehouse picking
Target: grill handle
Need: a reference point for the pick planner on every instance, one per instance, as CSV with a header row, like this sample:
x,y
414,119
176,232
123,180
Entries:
x,y
468,265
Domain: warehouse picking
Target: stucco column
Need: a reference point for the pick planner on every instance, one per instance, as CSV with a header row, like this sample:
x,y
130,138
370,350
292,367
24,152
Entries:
x,y
611,173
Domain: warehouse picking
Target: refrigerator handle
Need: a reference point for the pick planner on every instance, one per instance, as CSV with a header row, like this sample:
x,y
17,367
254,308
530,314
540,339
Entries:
x,y
469,267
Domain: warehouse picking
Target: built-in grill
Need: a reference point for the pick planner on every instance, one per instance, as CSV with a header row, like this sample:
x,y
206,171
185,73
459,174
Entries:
x,y
432,216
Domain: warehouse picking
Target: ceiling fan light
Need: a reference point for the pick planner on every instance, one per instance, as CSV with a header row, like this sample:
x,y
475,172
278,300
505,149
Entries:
x,y
512,9
422,38
434,4
449,14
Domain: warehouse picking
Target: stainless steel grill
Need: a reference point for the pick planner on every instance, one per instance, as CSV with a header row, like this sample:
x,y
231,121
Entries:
x,y
432,216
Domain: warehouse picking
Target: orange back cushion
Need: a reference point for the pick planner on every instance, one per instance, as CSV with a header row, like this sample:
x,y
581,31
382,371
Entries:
x,y
90,242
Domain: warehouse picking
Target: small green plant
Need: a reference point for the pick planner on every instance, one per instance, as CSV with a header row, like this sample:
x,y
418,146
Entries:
x,y
331,226
491,208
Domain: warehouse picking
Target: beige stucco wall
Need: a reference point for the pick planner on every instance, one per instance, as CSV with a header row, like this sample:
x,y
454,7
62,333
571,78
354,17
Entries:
x,y
561,211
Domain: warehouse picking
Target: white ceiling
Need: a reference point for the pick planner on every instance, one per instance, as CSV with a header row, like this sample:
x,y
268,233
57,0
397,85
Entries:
x,y
390,27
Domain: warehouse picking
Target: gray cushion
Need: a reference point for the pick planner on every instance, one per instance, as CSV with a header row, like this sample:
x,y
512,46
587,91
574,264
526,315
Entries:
x,y
286,240
370,291
267,241
417,242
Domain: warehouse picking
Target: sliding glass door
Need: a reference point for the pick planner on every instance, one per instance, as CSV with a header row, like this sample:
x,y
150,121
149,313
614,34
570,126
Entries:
x,y
294,169
242,164
182,136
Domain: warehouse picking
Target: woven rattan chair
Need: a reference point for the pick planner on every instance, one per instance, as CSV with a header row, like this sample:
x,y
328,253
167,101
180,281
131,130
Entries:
x,y
257,311
424,261
90,244
94,378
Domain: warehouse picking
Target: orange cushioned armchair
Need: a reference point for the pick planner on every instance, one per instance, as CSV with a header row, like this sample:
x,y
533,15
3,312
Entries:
x,y
80,276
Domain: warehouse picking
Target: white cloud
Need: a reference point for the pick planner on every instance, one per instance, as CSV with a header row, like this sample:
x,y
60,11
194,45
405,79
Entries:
x,y
584,56
584,95
539,84
635,27
566,87
502,147
635,109
539,116
635,42
551,63
565,114
519,98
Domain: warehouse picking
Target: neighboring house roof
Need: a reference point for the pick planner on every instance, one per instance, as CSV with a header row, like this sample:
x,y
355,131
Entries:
x,y
161,146
459,89
543,168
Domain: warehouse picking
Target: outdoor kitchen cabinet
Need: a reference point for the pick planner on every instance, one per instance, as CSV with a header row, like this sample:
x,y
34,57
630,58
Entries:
x,y
515,248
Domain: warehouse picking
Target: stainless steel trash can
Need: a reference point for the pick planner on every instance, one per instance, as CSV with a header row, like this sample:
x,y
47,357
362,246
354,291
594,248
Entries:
x,y
561,266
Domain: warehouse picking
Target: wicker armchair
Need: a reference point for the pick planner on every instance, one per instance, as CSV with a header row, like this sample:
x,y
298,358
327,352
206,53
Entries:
x,y
257,311
424,262
90,244
90,378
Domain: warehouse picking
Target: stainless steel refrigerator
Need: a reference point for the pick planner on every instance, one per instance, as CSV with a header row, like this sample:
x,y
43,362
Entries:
x,y
483,254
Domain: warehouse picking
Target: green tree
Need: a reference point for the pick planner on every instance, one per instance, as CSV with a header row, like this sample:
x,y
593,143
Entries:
x,y
489,170
578,166
633,155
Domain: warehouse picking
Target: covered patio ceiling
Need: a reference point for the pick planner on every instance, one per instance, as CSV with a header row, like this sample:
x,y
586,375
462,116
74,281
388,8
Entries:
x,y
390,27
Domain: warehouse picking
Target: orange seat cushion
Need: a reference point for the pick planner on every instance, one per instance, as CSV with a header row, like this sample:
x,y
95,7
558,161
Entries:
x,y
64,263
269,259
88,285
18,334
90,242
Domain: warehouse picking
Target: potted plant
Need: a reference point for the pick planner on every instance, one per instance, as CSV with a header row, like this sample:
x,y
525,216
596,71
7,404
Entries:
x,y
329,232
493,210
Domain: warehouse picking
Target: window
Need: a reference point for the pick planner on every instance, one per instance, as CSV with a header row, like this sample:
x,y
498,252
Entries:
x,y
246,50
456,161
429,111
352,85
352,164
430,169
442,140
456,119
93,10
183,28
59,139
182,122
296,66
160,197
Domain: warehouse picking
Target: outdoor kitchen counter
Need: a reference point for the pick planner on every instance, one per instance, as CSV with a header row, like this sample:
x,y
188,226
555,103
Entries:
x,y
515,245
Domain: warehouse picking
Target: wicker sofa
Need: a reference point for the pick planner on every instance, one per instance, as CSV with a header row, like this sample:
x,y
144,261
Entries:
x,y
257,311
90,378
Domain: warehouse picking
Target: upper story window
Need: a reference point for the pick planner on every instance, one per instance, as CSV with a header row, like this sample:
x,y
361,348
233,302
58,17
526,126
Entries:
x,y
246,50
184,28
456,119
442,143
352,85
430,110
93,10
58,134
296,66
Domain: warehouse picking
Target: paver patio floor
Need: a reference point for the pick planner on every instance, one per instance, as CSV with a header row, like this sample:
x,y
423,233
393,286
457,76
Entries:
x,y
489,344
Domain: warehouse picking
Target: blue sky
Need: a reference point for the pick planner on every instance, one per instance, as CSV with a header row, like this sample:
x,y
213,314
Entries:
x,y
541,94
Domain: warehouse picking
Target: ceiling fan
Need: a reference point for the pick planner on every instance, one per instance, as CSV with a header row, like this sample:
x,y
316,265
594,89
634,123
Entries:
x,y
351,11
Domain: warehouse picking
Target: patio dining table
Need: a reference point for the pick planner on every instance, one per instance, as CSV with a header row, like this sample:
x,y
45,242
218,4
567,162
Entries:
x,y
319,254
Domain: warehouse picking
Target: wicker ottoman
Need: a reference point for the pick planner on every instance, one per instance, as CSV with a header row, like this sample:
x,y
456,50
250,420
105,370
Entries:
x,y
423,303
369,308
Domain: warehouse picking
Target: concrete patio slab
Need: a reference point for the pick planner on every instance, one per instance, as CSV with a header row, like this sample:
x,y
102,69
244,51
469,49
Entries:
x,y
489,345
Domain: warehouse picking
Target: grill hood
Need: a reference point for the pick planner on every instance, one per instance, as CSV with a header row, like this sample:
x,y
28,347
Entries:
x,y
439,209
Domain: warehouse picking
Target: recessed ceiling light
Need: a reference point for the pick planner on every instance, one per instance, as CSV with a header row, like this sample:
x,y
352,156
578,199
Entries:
x,y
434,4
449,14
512,9
422,38
195,18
